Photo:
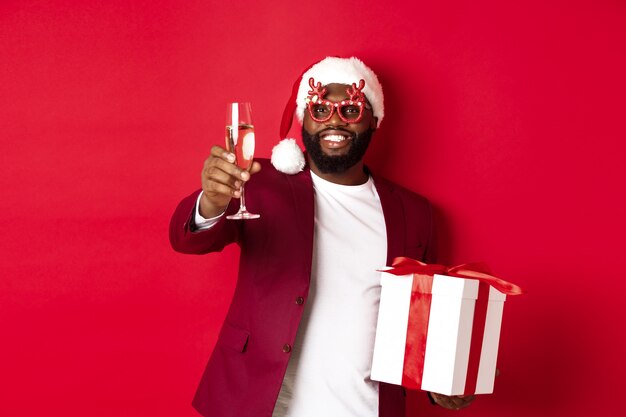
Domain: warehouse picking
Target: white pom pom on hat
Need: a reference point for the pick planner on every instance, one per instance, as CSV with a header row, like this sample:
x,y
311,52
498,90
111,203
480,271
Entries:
x,y
329,70
287,157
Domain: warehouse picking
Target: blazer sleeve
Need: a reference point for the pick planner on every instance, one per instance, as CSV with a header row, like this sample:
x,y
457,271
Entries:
x,y
184,239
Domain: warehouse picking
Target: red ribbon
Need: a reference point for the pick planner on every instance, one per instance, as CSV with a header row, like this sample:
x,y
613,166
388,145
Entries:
x,y
479,271
419,312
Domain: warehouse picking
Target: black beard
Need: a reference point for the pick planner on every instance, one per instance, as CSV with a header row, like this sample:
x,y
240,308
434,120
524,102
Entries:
x,y
336,164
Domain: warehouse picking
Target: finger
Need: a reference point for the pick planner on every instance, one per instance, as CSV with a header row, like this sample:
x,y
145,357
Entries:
x,y
461,402
453,402
497,372
222,153
211,164
462,405
256,167
215,188
443,400
213,173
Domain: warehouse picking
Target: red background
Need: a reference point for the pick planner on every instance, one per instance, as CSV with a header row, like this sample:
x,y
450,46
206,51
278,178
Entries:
x,y
508,116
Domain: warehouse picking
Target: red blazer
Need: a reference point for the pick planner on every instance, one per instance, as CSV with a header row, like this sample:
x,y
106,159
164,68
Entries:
x,y
246,369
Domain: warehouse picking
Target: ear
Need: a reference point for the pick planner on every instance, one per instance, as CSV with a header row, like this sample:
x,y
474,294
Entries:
x,y
373,123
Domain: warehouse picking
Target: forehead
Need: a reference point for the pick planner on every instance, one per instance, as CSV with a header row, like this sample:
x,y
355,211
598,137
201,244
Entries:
x,y
336,90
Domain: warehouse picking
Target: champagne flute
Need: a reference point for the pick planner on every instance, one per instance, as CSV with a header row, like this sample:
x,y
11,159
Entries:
x,y
240,141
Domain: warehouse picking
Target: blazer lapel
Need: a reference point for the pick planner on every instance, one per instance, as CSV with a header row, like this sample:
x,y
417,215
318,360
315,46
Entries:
x,y
304,206
395,222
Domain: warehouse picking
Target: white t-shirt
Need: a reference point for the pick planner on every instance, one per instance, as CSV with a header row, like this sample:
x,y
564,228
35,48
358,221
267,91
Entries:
x,y
329,368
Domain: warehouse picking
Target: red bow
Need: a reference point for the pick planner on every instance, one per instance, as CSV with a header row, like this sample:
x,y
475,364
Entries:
x,y
479,271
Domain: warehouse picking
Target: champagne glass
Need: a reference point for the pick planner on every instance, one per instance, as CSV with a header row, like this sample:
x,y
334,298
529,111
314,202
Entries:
x,y
240,141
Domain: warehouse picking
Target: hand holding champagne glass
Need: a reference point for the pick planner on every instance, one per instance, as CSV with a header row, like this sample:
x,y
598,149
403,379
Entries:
x,y
240,141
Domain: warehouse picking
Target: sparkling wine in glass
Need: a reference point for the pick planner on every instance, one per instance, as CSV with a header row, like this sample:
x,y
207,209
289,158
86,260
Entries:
x,y
240,141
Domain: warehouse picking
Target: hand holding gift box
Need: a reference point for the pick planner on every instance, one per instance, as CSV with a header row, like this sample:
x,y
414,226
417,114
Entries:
x,y
438,327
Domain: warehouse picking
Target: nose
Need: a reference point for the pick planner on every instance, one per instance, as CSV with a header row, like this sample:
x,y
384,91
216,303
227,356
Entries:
x,y
335,120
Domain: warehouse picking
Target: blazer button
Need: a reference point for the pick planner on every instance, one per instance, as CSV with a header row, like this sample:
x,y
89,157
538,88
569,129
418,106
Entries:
x,y
286,348
299,301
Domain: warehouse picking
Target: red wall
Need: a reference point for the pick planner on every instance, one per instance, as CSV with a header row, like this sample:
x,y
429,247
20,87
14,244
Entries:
x,y
509,117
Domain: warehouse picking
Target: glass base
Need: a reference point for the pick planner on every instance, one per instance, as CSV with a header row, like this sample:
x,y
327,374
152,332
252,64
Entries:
x,y
243,215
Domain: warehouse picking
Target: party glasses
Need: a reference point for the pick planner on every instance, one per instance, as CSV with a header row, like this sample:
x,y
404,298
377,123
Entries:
x,y
349,110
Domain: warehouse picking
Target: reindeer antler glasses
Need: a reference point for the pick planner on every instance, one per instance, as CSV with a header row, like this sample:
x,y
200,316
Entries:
x,y
350,110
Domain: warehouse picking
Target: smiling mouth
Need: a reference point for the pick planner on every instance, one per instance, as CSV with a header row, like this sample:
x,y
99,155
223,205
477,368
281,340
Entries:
x,y
335,135
334,141
335,138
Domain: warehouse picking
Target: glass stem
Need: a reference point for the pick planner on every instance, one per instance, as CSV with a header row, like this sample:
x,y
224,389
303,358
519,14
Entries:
x,y
242,199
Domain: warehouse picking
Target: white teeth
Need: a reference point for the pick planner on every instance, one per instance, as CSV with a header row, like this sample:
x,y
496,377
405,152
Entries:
x,y
335,138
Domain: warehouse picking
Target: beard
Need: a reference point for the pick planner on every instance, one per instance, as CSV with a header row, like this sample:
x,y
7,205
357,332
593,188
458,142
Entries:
x,y
336,164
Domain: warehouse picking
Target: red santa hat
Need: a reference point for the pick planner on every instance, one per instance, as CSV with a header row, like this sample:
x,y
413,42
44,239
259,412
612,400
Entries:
x,y
287,156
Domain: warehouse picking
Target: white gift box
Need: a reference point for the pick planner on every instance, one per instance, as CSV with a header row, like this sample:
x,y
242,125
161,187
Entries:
x,y
448,339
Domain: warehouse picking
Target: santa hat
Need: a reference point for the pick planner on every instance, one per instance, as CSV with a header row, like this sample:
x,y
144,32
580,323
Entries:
x,y
287,156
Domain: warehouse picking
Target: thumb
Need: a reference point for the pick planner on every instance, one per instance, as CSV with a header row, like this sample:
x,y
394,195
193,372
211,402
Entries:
x,y
256,167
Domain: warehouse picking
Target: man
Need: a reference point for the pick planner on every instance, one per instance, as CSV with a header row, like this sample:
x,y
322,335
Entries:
x,y
298,337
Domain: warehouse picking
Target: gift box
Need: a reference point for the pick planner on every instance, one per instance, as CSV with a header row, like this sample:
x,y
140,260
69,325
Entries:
x,y
438,328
